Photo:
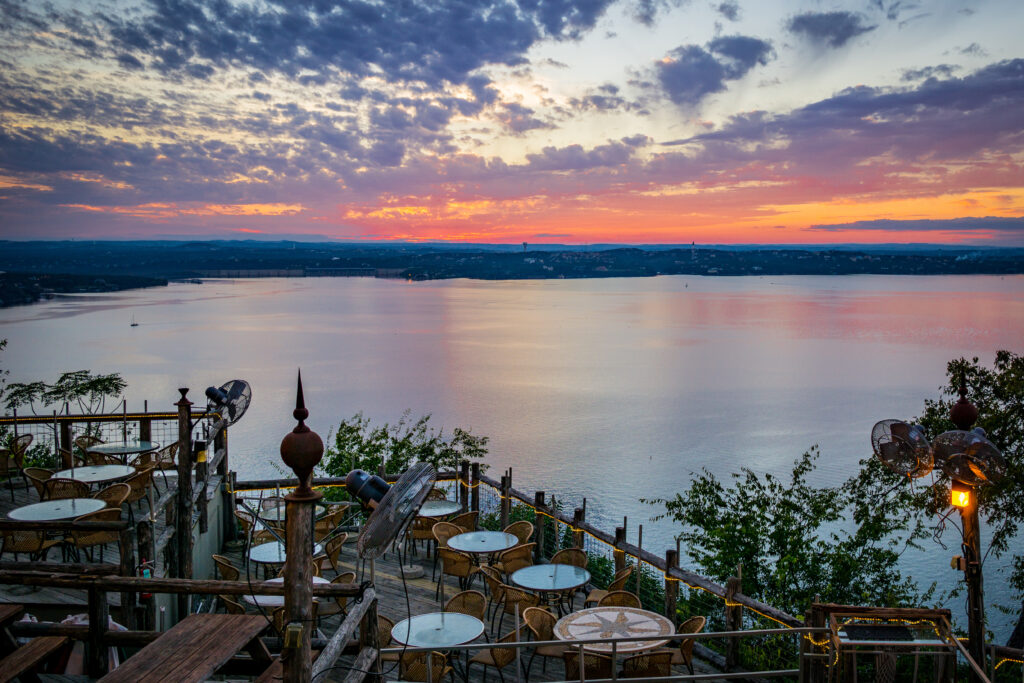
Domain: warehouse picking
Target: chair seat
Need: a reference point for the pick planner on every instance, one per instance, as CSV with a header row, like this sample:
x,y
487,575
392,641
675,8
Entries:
x,y
484,657
595,595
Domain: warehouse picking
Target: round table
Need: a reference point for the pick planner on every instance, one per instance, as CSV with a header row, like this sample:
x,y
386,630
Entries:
x,y
439,508
614,623
97,474
437,629
549,579
277,513
482,542
123,448
54,510
275,600
273,553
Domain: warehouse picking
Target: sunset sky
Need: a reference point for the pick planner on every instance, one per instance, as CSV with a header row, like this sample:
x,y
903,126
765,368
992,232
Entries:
x,y
564,121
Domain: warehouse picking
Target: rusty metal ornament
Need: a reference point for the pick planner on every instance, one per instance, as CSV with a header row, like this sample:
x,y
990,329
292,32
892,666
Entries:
x,y
302,449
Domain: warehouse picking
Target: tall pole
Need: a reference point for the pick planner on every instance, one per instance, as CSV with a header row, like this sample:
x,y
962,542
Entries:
x,y
301,450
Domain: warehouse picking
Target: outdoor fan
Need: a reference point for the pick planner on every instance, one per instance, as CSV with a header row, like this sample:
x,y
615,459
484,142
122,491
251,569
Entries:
x,y
969,457
394,510
230,401
902,447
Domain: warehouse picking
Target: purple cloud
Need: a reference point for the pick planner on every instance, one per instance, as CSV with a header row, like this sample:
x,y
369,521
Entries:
x,y
829,29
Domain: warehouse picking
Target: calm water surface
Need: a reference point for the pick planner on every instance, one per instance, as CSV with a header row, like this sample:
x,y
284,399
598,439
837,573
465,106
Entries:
x,y
611,389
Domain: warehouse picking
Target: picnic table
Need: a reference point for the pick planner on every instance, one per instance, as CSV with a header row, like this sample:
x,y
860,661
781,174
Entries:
x,y
195,648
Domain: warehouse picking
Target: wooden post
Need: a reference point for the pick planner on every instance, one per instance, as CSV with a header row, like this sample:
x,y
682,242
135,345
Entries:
x,y
506,502
183,505
671,587
474,494
145,428
542,522
126,543
202,476
733,620
618,555
147,554
815,668
99,618
577,518
368,636
230,528
298,599
464,485
65,441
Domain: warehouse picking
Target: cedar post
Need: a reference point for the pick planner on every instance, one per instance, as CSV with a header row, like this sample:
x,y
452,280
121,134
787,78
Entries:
x,y
474,494
99,618
202,476
368,637
301,450
145,429
577,535
183,506
126,543
230,528
506,503
147,552
65,442
733,619
619,555
671,586
464,485
542,522
815,668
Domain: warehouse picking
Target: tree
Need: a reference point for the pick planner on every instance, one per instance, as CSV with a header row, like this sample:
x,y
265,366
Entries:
x,y
89,391
359,444
794,540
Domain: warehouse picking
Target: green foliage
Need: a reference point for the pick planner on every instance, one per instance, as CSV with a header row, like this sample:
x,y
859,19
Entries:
x,y
791,538
357,444
89,391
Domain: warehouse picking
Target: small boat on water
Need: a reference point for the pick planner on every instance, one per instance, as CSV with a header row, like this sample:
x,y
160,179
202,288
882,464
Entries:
x,y
134,324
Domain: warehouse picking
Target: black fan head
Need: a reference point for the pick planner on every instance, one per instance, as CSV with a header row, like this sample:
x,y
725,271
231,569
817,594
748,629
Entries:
x,y
969,457
902,447
230,401
395,510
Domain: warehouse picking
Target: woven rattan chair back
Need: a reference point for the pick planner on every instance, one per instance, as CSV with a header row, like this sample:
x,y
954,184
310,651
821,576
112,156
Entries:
x,y
473,603
619,599
540,622
60,488
332,549
232,606
38,476
345,577
31,542
573,556
384,627
443,531
246,519
594,665
516,558
691,625
19,447
437,494
114,495
86,539
522,530
413,667
466,521
139,483
619,581
227,571
86,441
647,665
94,458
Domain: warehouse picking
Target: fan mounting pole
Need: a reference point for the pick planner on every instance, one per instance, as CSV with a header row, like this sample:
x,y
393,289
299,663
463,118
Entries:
x,y
301,450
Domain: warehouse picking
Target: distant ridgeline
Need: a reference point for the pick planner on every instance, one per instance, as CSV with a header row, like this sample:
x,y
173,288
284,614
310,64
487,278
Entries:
x,y
184,260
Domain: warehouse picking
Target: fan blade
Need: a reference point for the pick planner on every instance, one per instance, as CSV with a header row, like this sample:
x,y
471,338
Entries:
x,y
969,457
902,447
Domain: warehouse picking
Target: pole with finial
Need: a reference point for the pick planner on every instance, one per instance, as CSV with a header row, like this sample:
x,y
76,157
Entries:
x,y
963,414
301,450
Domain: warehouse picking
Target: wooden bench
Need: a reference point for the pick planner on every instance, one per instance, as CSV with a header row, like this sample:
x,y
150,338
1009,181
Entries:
x,y
20,662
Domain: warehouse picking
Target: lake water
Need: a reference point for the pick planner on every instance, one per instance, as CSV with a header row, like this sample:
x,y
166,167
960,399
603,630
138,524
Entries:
x,y
609,389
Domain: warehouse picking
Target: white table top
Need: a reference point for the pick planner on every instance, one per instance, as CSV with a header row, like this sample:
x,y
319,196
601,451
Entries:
x,y
615,622
124,447
54,510
550,577
482,542
437,629
439,508
273,553
97,474
275,600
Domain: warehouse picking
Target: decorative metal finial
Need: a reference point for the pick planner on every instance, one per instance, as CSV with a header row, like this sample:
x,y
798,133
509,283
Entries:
x,y
302,449
963,413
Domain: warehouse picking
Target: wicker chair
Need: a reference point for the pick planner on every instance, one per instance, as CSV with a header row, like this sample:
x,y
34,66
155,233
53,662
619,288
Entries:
x,y
8,468
573,556
618,582
332,551
684,653
442,531
454,563
164,460
515,558
495,589
466,521
89,539
323,528
647,665
619,599
139,483
314,567
473,603
413,667
542,625
38,476
384,628
66,456
227,571
421,529
516,600
15,451
232,606
594,665
93,458
86,441
114,495
522,530
340,604
60,488
437,494
34,543
497,657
